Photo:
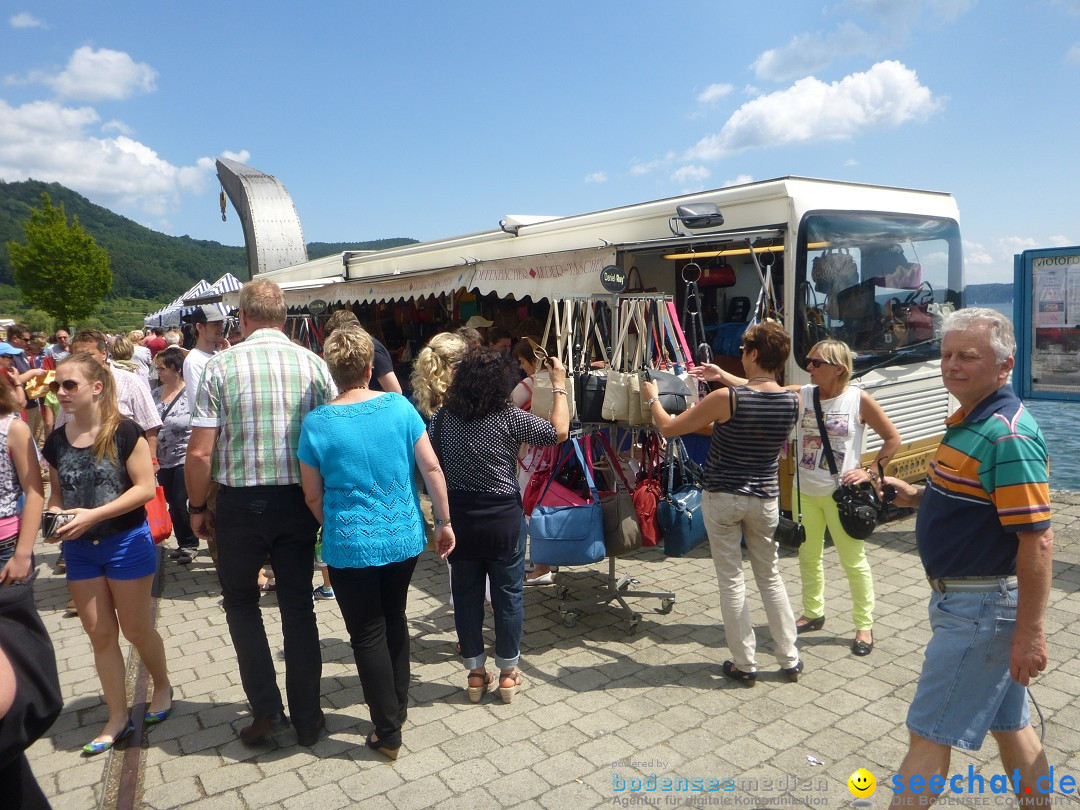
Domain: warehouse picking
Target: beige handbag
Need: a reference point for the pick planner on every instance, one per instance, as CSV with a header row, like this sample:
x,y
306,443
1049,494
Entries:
x,y
636,413
560,315
617,393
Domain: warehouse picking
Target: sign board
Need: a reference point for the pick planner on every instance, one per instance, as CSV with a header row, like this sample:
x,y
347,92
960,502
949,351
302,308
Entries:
x,y
1046,310
613,278
317,307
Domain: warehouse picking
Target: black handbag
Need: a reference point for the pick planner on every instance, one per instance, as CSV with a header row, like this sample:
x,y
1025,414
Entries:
x,y
858,504
590,391
791,533
673,393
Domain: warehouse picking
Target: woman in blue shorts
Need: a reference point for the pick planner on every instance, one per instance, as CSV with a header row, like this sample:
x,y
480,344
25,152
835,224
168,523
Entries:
x,y
101,475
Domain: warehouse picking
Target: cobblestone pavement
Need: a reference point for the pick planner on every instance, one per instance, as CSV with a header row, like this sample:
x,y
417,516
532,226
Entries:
x,y
601,705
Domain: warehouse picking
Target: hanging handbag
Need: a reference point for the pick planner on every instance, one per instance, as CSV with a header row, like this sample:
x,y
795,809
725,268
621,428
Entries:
x,y
858,504
157,515
679,511
562,317
569,535
622,534
617,391
592,383
648,491
791,533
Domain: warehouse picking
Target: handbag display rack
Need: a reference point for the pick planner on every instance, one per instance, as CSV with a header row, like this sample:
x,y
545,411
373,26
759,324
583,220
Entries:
x,y
617,523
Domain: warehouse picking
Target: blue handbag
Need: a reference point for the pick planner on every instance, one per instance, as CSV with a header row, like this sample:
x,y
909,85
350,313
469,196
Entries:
x,y
679,510
569,535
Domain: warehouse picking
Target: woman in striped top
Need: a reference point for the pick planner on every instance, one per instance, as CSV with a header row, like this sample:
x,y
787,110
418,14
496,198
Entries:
x,y
749,424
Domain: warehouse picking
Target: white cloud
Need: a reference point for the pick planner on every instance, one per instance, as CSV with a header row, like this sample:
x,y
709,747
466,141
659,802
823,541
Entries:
x,y
26,20
117,126
1073,54
691,175
48,141
887,95
1060,241
992,261
851,162
596,177
95,76
713,93
639,167
977,254
886,26
740,180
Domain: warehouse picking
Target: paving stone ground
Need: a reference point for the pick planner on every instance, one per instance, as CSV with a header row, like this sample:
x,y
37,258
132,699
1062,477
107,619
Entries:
x,y
602,705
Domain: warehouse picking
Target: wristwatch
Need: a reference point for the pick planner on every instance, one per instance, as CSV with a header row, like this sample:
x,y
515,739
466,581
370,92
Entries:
x,y
196,510
439,522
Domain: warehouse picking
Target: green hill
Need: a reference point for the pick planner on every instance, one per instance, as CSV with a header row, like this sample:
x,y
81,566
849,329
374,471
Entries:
x,y
145,264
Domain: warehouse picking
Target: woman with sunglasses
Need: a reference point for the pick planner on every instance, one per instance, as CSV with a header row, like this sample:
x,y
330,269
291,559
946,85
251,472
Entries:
x,y
750,422
846,411
101,475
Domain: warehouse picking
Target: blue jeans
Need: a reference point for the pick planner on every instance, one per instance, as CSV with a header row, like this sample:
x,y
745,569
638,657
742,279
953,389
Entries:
x,y
507,602
965,688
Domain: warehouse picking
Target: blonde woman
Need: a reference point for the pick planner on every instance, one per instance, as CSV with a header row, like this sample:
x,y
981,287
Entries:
x,y
846,411
122,354
101,475
433,370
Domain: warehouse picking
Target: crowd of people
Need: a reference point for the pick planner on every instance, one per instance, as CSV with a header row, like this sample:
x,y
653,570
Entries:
x,y
275,455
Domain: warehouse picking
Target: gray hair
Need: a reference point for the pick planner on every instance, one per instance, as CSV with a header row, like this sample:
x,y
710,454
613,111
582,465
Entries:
x,y
1002,337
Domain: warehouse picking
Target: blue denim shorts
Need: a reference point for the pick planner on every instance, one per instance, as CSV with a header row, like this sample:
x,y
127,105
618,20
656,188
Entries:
x,y
124,555
965,689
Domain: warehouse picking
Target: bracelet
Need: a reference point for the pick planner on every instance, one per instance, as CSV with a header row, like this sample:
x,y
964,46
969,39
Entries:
x,y
649,404
559,391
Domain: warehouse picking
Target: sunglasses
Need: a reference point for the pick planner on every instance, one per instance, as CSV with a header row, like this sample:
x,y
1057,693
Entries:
x,y
813,361
71,386
539,353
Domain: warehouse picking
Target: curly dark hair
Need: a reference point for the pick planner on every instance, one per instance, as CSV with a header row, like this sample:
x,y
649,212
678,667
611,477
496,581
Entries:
x,y
482,384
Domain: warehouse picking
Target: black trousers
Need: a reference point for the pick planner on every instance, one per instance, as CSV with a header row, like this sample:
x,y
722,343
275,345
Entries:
x,y
252,524
171,480
372,602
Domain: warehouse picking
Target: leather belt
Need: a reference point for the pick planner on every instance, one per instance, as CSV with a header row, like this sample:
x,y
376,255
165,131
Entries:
x,y
972,584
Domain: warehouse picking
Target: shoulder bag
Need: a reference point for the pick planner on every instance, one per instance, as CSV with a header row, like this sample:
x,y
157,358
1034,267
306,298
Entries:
x,y
592,383
569,535
679,511
858,504
622,534
648,491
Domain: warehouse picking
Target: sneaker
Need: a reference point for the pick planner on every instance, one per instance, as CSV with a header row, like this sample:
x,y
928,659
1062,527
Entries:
x,y
186,555
322,593
175,553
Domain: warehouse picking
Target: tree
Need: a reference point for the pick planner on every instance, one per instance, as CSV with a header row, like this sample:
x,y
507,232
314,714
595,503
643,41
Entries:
x,y
60,269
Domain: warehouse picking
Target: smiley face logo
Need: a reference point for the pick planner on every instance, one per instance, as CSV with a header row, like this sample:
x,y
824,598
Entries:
x,y
862,783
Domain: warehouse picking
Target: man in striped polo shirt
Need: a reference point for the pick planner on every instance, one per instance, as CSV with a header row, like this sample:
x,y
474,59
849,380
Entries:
x,y
984,537
246,426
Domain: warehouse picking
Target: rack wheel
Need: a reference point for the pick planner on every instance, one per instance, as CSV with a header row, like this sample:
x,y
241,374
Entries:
x,y
635,620
666,605
562,592
569,618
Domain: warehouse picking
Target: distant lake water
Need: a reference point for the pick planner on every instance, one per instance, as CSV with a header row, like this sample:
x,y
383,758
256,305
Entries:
x,y
1060,424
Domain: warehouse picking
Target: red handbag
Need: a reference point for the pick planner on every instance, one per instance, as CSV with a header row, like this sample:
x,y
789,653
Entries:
x,y
720,276
539,491
157,515
648,492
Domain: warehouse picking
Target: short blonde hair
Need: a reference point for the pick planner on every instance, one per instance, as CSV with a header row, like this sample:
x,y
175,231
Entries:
x,y
263,302
348,353
837,353
122,348
136,336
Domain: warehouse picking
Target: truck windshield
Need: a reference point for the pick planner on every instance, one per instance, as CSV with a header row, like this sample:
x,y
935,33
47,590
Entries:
x,y
880,282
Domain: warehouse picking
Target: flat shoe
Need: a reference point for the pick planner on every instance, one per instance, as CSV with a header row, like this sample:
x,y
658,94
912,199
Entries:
x,y
813,624
543,579
748,678
92,748
507,692
269,586
152,718
477,692
860,647
792,673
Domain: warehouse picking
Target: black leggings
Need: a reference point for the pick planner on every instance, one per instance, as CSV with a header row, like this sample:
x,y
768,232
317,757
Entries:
x,y
172,481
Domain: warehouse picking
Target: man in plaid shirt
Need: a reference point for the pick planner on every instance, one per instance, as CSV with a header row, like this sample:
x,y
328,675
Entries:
x,y
245,432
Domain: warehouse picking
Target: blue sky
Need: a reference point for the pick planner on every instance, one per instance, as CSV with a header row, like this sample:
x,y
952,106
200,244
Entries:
x,y
430,120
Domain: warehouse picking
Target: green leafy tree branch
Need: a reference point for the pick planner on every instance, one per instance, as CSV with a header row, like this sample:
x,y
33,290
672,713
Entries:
x,y
60,269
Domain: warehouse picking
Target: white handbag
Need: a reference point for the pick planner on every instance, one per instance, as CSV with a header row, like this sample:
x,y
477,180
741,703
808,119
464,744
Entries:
x,y
561,315
617,393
